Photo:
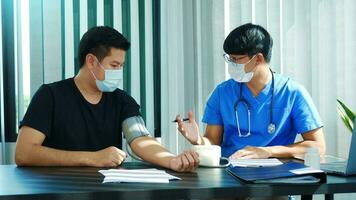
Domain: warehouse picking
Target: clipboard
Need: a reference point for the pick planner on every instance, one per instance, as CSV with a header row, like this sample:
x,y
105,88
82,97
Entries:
x,y
288,173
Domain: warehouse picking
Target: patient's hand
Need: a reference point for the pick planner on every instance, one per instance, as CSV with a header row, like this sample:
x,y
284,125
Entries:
x,y
108,157
189,129
185,162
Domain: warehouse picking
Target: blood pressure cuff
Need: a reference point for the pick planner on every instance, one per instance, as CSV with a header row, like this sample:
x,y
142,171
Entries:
x,y
134,127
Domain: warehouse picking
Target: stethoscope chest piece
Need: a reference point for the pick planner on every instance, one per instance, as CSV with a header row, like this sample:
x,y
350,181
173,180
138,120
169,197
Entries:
x,y
271,128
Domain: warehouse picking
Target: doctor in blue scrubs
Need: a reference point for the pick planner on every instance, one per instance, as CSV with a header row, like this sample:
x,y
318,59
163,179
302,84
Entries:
x,y
257,113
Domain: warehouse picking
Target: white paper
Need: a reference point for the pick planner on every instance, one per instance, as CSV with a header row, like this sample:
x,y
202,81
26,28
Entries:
x,y
268,162
137,176
306,170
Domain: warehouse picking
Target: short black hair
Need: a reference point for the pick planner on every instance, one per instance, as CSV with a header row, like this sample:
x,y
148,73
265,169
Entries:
x,y
249,39
99,41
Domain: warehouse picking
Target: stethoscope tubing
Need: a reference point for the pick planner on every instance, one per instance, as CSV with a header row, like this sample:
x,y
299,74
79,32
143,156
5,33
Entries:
x,y
242,100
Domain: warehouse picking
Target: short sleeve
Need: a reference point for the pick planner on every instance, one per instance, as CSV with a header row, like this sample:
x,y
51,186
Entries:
x,y
129,108
212,114
39,114
304,113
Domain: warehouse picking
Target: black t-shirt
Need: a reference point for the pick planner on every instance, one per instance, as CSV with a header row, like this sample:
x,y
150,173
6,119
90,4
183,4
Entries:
x,y
69,122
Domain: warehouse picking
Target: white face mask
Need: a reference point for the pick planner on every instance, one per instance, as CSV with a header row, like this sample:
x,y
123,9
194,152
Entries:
x,y
238,73
112,79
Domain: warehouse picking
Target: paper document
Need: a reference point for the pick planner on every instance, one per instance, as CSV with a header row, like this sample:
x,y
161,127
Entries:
x,y
137,176
269,162
306,170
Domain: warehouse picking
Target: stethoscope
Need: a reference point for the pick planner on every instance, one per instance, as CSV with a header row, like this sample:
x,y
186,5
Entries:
x,y
271,127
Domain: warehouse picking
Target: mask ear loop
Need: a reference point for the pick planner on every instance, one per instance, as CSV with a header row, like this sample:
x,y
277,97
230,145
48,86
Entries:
x,y
93,75
96,59
102,67
254,68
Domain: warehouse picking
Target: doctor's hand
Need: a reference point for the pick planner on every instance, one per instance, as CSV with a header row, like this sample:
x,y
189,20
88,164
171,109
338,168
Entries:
x,y
185,162
251,152
189,129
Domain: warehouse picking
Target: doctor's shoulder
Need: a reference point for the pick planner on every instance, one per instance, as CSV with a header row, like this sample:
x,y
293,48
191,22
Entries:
x,y
224,87
291,85
227,85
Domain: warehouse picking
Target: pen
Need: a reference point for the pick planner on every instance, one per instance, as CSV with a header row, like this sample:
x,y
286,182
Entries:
x,y
185,119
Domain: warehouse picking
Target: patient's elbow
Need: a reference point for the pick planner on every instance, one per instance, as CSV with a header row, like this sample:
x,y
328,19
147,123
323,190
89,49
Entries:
x,y
21,157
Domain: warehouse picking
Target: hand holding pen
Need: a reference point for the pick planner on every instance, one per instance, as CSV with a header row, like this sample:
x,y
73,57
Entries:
x,y
184,119
188,128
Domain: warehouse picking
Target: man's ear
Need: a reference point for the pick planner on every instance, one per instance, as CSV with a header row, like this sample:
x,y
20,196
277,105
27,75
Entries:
x,y
260,58
90,60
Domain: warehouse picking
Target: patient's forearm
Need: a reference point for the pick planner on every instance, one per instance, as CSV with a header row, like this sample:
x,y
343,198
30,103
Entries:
x,y
37,155
149,149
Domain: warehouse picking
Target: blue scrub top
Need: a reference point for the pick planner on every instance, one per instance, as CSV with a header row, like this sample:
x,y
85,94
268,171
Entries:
x,y
293,113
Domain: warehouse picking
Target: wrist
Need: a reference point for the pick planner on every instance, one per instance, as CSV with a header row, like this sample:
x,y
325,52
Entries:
x,y
198,142
87,159
269,151
169,162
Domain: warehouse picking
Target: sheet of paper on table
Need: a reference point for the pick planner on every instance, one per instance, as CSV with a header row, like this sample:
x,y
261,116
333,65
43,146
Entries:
x,y
137,176
269,162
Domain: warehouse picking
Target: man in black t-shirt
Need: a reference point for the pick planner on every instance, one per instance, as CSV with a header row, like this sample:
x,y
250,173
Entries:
x,y
79,121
